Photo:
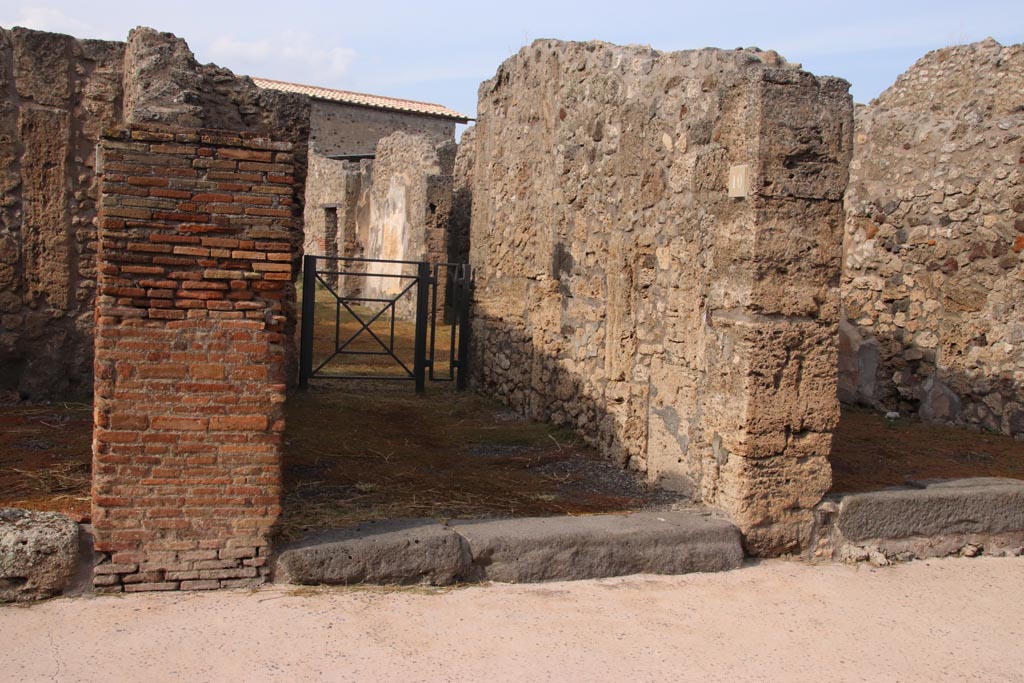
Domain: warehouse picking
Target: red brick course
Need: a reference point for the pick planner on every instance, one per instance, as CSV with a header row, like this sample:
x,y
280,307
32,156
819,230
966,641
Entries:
x,y
195,300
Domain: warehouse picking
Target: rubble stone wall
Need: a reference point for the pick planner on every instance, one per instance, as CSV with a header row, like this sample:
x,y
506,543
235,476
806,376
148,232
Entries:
x,y
338,130
197,234
933,282
56,95
349,130
328,187
621,290
462,198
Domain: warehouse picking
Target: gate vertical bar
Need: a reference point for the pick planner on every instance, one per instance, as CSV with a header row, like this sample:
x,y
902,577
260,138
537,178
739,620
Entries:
x,y
433,320
308,311
422,314
465,290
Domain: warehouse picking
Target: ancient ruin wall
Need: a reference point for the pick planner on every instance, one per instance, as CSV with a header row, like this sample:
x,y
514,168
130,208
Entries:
x,y
59,93
395,207
339,132
56,95
408,200
330,189
462,198
340,129
621,290
197,233
933,284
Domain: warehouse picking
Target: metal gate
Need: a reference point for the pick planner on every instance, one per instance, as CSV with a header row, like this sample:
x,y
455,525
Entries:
x,y
367,295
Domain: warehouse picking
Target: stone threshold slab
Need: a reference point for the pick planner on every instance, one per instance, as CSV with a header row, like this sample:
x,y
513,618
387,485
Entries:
x,y
419,551
926,518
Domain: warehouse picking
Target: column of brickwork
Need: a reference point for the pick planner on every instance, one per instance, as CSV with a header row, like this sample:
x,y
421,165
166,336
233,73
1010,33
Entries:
x,y
195,296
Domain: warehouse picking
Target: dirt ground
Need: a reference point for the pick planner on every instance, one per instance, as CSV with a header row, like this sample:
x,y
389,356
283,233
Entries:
x,y
870,452
359,450
46,457
362,450
378,451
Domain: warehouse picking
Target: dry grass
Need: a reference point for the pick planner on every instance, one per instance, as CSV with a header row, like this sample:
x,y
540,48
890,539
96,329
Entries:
x,y
65,479
870,453
45,457
358,451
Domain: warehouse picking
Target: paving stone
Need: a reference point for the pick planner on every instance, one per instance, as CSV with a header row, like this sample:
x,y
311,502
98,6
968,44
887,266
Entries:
x,y
393,552
974,506
565,548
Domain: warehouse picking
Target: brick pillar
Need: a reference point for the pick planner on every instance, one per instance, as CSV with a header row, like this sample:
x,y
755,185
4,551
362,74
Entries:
x,y
197,232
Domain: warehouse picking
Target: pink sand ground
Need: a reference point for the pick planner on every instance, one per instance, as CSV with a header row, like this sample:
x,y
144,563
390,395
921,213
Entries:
x,y
940,620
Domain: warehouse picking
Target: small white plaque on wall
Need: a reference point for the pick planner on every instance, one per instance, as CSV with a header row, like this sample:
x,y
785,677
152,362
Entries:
x,y
739,180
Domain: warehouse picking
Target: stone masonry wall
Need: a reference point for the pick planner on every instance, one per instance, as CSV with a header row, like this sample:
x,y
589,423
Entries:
x,y
933,283
462,198
338,129
197,233
329,186
621,290
350,130
56,95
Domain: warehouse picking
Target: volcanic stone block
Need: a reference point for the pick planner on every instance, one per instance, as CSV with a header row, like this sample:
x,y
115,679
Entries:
x,y
47,242
395,552
42,66
590,547
963,506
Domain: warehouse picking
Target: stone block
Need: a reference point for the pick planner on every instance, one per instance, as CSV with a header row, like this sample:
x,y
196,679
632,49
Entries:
x,y
38,554
789,383
770,498
805,135
988,506
42,67
588,547
46,250
395,552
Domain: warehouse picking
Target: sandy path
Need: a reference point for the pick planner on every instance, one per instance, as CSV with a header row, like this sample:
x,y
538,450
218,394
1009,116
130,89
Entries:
x,y
778,621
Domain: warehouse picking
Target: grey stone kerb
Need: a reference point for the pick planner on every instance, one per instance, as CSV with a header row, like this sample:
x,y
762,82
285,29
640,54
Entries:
x,y
927,518
514,550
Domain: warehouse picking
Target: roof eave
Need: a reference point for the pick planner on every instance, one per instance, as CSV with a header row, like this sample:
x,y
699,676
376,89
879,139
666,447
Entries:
x,y
457,118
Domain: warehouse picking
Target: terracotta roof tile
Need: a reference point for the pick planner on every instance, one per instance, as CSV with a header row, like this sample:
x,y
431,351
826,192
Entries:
x,y
361,99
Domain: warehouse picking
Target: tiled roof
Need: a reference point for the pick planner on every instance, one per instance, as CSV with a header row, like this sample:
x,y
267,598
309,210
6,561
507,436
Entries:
x,y
375,101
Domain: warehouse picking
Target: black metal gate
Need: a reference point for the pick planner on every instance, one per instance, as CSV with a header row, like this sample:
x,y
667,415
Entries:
x,y
365,293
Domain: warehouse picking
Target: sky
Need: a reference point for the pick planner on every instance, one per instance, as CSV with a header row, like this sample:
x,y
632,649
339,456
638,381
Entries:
x,y
441,51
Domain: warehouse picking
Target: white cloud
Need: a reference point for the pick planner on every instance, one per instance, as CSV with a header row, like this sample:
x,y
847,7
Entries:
x,y
290,55
55,21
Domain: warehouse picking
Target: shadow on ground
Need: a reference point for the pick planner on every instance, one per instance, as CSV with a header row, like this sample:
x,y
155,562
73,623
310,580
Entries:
x,y
358,451
361,451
